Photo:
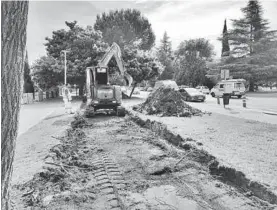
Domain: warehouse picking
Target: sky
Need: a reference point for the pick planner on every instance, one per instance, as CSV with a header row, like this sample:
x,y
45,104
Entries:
x,y
182,20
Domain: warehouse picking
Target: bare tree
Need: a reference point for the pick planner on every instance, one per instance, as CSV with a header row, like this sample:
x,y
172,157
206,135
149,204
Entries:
x,y
14,21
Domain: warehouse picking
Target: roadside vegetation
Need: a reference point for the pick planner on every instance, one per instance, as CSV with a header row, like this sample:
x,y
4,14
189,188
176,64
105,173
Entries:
x,y
248,51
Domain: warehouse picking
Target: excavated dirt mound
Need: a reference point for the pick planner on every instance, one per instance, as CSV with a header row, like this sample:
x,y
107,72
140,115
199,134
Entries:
x,y
167,102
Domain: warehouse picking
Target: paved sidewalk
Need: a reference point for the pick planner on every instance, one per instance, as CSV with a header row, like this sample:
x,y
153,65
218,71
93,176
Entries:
x,y
32,114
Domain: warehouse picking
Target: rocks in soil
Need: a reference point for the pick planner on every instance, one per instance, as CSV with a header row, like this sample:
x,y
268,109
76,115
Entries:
x,y
76,133
79,121
47,200
167,102
164,166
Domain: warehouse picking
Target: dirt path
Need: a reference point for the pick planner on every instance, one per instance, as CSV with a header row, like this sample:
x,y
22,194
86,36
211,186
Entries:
x,y
245,145
115,164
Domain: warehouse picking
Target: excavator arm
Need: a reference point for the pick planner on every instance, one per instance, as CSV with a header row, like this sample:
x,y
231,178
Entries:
x,y
115,51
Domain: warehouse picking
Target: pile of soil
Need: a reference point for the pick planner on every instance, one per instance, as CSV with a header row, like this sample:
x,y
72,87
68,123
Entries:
x,y
166,101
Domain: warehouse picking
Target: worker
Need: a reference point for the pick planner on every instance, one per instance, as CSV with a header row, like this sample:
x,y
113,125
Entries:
x,y
67,100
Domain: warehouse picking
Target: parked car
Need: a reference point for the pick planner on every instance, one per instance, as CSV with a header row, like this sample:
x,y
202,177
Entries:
x,y
183,86
192,94
167,84
235,88
150,89
203,89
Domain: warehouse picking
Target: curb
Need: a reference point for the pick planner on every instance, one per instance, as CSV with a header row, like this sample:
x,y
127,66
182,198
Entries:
x,y
223,173
270,113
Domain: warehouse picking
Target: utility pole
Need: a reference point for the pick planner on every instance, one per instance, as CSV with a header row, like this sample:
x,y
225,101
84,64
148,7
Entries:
x,y
65,51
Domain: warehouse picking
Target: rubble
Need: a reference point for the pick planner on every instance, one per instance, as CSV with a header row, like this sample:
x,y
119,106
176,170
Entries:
x,y
64,166
79,121
166,101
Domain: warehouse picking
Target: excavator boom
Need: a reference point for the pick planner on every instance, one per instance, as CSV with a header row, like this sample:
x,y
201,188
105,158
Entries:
x,y
115,51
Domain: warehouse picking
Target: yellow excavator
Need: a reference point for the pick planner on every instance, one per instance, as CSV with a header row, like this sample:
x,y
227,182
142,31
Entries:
x,y
99,93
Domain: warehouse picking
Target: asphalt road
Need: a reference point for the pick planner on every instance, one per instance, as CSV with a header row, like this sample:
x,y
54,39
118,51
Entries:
x,y
32,114
258,101
262,94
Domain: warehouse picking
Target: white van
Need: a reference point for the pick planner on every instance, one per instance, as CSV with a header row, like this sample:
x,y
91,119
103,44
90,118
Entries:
x,y
234,86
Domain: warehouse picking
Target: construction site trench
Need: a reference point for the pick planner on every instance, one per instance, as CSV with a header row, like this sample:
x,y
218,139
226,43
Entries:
x,y
107,162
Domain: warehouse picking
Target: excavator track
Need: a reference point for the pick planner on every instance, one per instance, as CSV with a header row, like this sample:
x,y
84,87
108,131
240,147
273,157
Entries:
x,y
109,181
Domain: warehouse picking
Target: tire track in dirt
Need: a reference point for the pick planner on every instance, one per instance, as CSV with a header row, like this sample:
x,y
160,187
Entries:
x,y
110,181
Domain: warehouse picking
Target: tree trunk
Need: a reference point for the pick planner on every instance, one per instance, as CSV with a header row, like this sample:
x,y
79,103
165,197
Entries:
x,y
133,90
14,22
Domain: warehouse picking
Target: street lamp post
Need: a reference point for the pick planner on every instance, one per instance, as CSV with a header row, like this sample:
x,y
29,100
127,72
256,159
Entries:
x,y
65,51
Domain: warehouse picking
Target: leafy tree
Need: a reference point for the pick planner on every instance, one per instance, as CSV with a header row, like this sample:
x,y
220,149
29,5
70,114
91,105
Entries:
x,y
225,41
165,57
14,16
201,45
85,45
125,27
260,67
116,79
141,65
191,71
47,72
191,63
253,53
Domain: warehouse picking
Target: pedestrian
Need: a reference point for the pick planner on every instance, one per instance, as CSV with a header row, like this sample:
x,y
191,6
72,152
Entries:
x,y
67,98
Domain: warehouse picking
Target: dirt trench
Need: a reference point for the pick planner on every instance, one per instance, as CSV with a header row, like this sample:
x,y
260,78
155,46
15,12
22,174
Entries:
x,y
225,174
113,163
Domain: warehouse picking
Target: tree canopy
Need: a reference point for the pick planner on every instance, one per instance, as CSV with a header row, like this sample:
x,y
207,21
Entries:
x,y
85,47
125,27
201,45
249,31
46,72
191,62
141,65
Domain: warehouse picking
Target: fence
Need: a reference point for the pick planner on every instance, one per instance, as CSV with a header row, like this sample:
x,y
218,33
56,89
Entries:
x,y
29,98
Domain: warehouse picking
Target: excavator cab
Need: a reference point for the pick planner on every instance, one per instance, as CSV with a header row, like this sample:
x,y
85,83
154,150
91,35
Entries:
x,y
101,74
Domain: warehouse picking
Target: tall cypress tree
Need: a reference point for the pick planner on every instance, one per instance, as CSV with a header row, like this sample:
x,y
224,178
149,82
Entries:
x,y
28,83
225,41
165,45
165,57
